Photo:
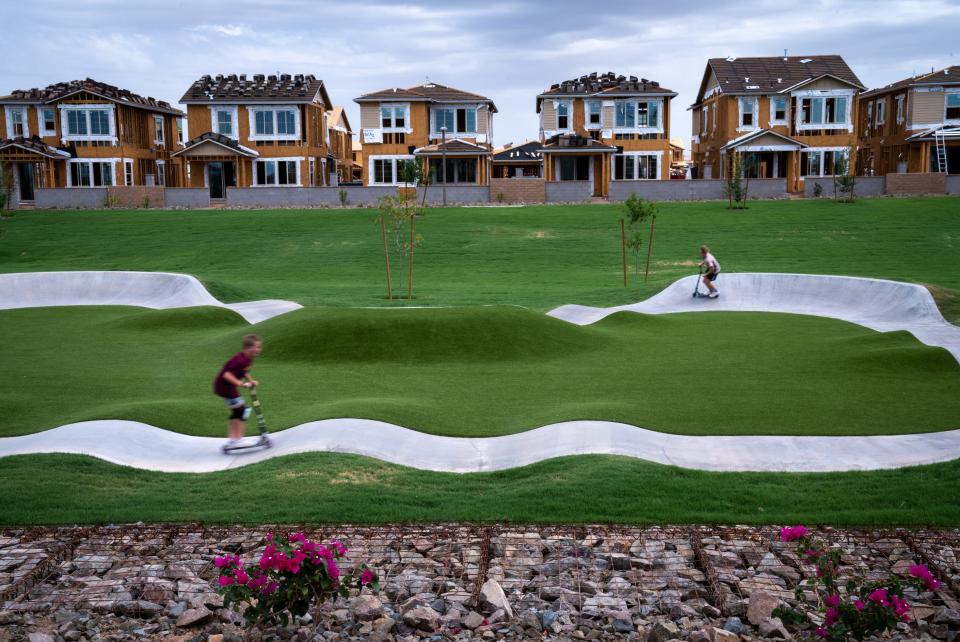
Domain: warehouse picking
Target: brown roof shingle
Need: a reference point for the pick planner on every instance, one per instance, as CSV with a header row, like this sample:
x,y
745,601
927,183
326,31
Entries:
x,y
34,144
776,73
259,88
947,76
608,83
428,92
52,93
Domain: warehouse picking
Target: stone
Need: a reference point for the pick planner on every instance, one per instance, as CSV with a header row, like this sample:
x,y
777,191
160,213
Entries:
x,y
624,626
422,545
366,608
384,625
772,627
547,618
761,606
663,631
194,617
700,635
719,635
946,616
136,608
473,620
40,637
733,625
492,598
417,614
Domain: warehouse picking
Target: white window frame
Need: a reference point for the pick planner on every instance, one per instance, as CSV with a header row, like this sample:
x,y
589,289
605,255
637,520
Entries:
x,y
821,151
22,110
296,159
406,129
637,128
900,100
253,111
824,94
634,156
556,108
394,157
128,178
705,120
234,120
159,128
65,109
587,113
774,121
754,112
161,175
881,111
112,162
42,121
946,95
435,131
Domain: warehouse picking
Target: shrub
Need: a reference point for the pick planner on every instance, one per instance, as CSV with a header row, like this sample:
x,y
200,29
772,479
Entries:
x,y
293,576
343,197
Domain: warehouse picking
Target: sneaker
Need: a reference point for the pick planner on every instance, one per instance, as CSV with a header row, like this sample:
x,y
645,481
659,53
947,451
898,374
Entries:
x,y
713,295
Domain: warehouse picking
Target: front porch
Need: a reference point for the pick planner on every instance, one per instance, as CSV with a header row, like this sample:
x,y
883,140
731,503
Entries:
x,y
456,162
26,165
216,162
765,154
578,159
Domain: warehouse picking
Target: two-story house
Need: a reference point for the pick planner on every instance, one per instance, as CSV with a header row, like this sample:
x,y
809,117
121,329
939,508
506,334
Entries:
x,y
257,131
86,133
340,141
912,125
430,122
792,117
605,127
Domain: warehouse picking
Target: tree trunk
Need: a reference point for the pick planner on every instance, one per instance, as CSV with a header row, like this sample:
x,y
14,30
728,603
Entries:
x,y
386,256
410,269
646,273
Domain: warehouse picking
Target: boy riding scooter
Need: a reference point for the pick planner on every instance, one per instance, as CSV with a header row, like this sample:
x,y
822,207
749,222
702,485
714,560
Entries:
x,y
712,267
233,375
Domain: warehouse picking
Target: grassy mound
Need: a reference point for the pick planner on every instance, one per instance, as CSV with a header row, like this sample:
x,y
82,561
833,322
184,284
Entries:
x,y
479,371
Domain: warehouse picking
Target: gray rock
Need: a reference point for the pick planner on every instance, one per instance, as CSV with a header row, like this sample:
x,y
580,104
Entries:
x,y
719,635
422,617
947,616
40,637
772,627
547,618
663,631
366,608
472,620
492,598
194,617
761,606
623,626
733,624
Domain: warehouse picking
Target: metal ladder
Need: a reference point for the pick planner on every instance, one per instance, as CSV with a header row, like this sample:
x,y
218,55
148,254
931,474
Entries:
x,y
941,151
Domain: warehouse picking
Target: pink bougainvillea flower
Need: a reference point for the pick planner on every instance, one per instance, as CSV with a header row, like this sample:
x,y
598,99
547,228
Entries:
x,y
366,577
832,616
832,600
900,607
297,537
821,632
859,604
220,562
792,533
340,548
241,575
271,587
879,596
269,537
225,580
922,572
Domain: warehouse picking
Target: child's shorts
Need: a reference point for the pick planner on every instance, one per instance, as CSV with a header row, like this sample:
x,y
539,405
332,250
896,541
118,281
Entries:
x,y
712,276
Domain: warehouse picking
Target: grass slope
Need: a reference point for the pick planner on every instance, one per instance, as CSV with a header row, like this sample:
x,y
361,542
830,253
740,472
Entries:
x,y
478,371
539,256
343,488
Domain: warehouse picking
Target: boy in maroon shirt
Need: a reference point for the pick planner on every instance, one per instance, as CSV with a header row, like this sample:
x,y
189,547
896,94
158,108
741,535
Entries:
x,y
232,375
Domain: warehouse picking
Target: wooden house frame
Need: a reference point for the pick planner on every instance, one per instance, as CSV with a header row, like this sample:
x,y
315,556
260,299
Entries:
x,y
86,133
792,116
605,127
257,131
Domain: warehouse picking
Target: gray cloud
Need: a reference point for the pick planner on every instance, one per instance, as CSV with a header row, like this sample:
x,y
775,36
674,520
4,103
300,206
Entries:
x,y
509,51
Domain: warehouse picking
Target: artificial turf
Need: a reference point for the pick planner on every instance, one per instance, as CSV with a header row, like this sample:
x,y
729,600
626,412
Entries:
x,y
335,488
478,371
537,256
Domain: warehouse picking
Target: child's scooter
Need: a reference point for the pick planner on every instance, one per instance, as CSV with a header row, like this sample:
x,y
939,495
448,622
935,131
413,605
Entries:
x,y
264,440
696,290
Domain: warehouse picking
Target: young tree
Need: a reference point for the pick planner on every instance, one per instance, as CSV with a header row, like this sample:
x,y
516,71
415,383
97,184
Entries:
x,y
737,185
636,212
845,175
398,213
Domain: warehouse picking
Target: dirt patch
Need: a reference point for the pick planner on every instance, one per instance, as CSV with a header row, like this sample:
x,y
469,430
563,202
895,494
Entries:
x,y
947,300
541,234
677,263
351,477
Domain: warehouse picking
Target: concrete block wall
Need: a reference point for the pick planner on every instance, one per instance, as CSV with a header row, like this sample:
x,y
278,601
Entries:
x,y
953,185
518,190
69,198
187,197
867,186
456,194
916,184
569,191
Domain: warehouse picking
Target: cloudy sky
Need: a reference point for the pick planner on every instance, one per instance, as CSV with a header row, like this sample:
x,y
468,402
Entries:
x,y
509,51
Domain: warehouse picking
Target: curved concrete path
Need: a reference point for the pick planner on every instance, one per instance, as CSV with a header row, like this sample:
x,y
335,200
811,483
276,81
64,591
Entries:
x,y
139,445
875,303
158,290
881,305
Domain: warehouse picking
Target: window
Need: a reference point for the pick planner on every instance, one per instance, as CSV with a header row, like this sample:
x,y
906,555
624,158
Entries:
x,y
224,122
647,114
383,170
395,117
748,106
49,122
313,165
459,170
625,114
706,113
881,111
128,173
574,168
88,123
563,116
18,123
277,172
91,173
180,130
817,112
899,100
593,112
158,129
628,167
778,108
76,123
953,106
275,123
822,162
100,123
869,114
456,120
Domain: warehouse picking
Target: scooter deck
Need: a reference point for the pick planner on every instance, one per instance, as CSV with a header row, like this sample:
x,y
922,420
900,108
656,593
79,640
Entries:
x,y
262,442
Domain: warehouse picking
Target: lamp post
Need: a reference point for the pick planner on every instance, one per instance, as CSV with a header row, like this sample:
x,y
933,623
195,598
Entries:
x,y
443,161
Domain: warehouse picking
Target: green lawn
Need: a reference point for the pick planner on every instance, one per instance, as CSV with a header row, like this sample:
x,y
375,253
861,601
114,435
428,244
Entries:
x,y
314,488
486,367
478,371
538,257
